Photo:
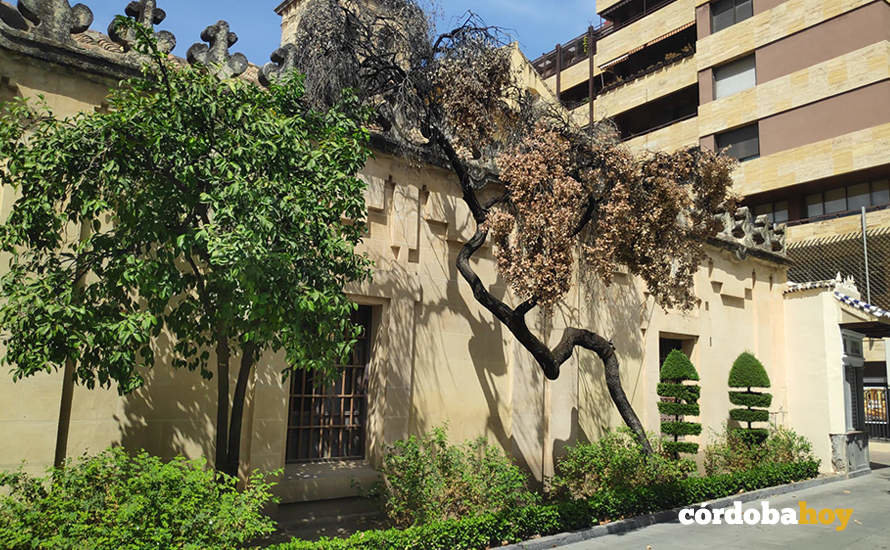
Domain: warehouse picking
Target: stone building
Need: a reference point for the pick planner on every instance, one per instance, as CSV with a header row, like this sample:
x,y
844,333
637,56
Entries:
x,y
431,355
799,90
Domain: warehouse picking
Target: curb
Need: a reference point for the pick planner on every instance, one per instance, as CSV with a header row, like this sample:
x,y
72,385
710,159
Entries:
x,y
670,516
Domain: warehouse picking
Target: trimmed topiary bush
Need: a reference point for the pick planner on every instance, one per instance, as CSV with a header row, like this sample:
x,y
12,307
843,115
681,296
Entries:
x,y
747,372
677,368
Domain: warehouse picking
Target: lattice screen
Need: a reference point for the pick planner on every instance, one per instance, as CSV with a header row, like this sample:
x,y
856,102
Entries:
x,y
823,258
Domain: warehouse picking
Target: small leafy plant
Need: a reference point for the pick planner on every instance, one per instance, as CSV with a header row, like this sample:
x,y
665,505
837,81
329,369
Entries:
x,y
427,479
616,462
730,451
115,501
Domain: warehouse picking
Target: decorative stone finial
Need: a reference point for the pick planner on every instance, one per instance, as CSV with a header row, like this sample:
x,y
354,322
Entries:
x,y
217,56
752,233
56,20
284,60
148,14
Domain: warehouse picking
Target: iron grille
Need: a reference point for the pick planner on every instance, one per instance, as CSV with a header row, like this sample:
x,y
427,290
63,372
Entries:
x,y
326,421
877,419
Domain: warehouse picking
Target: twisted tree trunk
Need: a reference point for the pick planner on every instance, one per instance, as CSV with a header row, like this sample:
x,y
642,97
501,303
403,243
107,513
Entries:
x,y
514,319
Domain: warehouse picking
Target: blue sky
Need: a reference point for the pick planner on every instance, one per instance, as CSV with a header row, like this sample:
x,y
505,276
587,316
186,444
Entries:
x,y
537,24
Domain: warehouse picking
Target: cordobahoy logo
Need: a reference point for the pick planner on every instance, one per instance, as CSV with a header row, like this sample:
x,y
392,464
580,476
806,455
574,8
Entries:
x,y
765,515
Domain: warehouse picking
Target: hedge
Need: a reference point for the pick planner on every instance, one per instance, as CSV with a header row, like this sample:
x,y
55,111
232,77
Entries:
x,y
678,409
688,447
681,428
747,371
680,391
749,415
750,399
492,530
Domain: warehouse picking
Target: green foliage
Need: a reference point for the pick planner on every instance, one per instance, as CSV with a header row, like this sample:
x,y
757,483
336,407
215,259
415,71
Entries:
x,y
677,409
686,393
750,399
427,479
748,372
117,502
749,415
615,462
681,428
735,450
677,367
675,447
212,210
513,525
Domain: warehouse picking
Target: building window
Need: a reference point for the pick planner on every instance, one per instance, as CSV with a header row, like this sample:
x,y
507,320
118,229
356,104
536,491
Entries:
x,y
734,77
777,212
326,420
742,143
848,198
725,13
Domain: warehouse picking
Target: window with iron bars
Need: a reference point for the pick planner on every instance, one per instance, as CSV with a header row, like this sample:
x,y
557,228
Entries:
x,y
326,419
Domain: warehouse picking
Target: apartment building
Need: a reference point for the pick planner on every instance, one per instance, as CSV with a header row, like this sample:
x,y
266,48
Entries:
x,y
797,90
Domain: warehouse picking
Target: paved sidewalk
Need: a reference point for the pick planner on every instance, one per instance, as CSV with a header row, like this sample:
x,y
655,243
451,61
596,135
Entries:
x,y
869,528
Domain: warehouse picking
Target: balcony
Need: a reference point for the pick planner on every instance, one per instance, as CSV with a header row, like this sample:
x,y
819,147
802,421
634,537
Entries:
x,y
625,12
611,47
661,113
665,80
564,56
663,52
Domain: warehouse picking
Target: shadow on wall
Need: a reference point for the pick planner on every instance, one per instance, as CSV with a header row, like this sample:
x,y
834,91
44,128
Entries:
x,y
484,346
618,312
173,414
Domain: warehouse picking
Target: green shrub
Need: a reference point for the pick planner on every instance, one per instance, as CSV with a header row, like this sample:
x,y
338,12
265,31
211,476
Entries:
x,y
676,369
680,391
749,415
746,399
115,501
731,452
748,372
615,462
426,479
517,524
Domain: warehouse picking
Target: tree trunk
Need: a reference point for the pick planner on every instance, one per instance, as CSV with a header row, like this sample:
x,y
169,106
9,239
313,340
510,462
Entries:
x,y
222,397
514,319
64,413
64,425
233,458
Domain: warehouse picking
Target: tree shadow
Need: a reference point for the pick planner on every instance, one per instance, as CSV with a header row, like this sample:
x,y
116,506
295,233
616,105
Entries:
x,y
173,414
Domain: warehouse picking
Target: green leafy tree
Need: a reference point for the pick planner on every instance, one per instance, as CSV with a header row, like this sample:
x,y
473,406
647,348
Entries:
x,y
214,211
748,372
677,368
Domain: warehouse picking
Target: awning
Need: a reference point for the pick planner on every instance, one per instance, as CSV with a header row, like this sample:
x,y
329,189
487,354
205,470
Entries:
x,y
652,42
614,7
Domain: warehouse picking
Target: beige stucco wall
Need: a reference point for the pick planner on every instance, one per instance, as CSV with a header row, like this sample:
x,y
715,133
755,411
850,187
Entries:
x,y
813,352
